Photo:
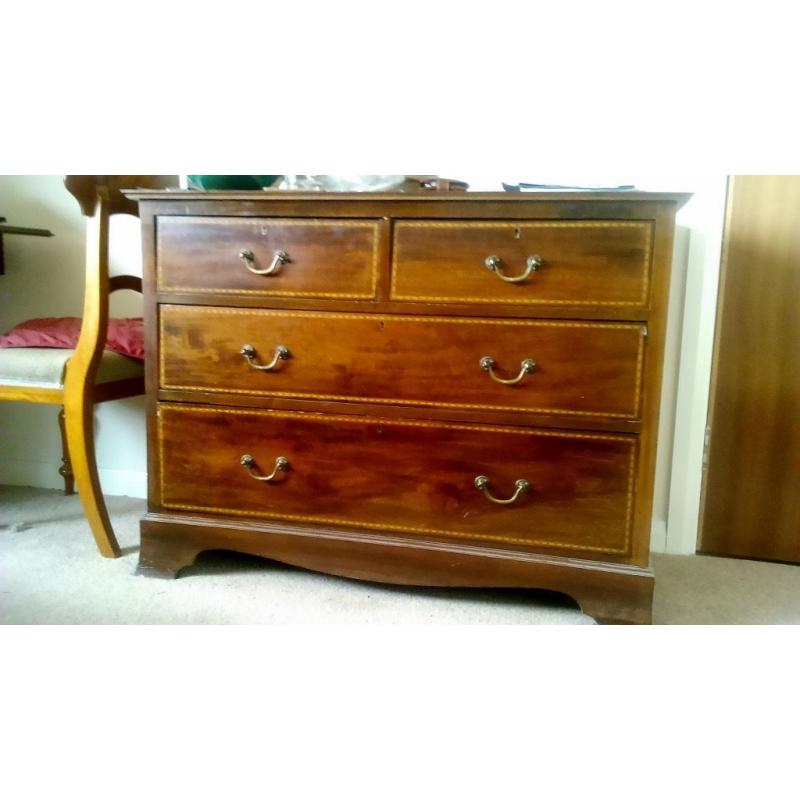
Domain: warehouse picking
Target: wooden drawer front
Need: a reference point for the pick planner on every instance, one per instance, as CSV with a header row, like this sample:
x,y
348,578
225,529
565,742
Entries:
x,y
403,476
602,263
326,258
590,369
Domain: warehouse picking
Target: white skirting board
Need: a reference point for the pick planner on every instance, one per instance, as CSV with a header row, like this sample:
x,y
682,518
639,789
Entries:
x,y
658,536
120,482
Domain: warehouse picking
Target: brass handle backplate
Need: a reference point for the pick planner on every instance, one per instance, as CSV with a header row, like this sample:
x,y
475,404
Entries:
x,y
249,353
249,463
487,364
279,257
495,264
520,487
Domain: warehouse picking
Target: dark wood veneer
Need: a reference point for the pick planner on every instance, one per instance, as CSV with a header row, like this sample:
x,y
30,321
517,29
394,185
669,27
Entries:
x,y
382,428
589,263
611,593
402,475
585,369
325,258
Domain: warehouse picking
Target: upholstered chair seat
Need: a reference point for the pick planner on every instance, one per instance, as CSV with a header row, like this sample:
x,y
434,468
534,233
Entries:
x,y
45,367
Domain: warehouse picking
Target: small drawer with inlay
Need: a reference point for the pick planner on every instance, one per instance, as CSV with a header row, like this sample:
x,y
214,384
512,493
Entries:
x,y
504,486
579,263
586,370
291,258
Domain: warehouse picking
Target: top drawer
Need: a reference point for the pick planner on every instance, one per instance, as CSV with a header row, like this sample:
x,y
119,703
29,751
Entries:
x,y
568,263
313,258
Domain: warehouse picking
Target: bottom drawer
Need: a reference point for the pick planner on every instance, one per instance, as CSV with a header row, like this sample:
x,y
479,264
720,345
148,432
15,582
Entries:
x,y
401,476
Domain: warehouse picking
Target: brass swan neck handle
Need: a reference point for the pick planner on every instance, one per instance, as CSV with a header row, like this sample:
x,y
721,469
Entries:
x,y
279,257
520,487
487,364
495,264
249,463
249,353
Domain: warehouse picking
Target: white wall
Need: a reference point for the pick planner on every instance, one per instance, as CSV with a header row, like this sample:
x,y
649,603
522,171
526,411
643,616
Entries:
x,y
687,359
669,390
704,216
44,277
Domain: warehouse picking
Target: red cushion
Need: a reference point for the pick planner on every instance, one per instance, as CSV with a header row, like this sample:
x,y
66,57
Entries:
x,y
125,336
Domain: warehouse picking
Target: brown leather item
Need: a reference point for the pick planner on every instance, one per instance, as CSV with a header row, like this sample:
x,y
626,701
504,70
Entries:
x,y
446,389
445,185
433,183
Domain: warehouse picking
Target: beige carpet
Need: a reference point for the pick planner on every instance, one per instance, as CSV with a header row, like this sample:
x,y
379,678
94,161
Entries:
x,y
51,573
704,590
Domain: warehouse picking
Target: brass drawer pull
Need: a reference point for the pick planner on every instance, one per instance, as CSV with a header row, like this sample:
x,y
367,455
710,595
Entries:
x,y
495,264
249,463
527,366
280,257
249,353
522,486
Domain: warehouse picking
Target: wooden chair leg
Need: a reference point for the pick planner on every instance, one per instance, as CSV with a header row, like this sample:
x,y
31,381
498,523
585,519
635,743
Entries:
x,y
80,442
65,470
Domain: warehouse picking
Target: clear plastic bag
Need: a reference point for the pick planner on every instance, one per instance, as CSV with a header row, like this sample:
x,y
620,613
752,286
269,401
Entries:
x,y
342,183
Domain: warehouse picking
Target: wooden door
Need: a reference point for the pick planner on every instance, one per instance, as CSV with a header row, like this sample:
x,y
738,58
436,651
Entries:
x,y
751,505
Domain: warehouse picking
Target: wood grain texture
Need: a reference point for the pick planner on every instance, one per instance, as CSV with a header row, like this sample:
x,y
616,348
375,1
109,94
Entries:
x,y
79,378
751,504
416,308
413,477
414,204
31,394
441,413
379,419
84,188
587,263
327,258
583,369
611,593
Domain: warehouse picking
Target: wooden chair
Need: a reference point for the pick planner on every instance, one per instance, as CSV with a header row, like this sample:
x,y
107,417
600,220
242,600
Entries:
x,y
77,379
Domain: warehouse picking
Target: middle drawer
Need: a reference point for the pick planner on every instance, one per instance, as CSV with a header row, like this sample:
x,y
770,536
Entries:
x,y
592,369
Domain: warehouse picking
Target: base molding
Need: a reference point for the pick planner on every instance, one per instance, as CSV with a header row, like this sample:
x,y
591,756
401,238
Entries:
x,y
610,593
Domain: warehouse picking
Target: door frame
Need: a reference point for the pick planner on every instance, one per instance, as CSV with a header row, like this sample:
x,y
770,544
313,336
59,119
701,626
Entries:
x,y
704,215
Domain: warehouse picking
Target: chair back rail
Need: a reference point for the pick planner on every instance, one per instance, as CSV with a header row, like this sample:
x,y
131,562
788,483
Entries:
x,y
84,189
132,282
100,197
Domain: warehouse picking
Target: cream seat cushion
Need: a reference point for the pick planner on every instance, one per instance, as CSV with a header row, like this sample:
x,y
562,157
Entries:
x,y
44,367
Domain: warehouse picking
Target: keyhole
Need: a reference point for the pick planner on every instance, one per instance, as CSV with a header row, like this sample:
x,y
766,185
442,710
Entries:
x,y
517,233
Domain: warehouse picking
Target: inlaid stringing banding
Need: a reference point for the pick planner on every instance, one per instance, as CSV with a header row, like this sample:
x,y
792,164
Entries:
x,y
274,222
646,225
630,441
212,310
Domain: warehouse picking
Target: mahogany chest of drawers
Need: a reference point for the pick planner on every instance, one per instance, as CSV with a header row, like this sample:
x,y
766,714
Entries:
x,y
442,389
